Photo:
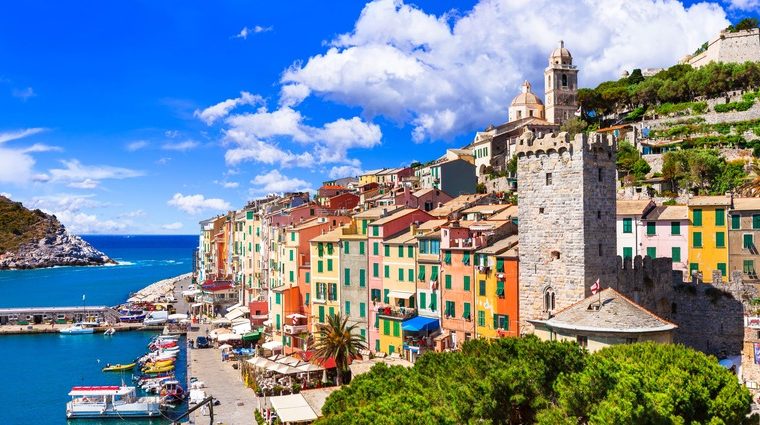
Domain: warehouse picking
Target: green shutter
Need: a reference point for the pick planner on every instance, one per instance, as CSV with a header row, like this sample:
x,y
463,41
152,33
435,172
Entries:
x,y
400,274
675,228
720,239
749,267
361,247
423,297
321,314
481,318
447,257
400,251
320,266
697,239
362,309
375,270
387,250
720,217
466,259
433,302
466,312
292,276
364,227
756,221
375,230
693,267
410,251
627,225
447,278
277,321
722,268
387,271
320,249
346,246
386,327
277,298
652,252
292,236
627,252
375,248
348,308
651,228
675,253
696,217
308,277
308,297
500,288
736,221
467,283
329,264
421,274
482,288
434,273
396,328
347,276
748,241
385,296
362,278
500,265
410,275
332,311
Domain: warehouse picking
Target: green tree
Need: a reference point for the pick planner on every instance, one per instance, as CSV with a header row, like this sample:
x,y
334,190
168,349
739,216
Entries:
x,y
339,340
746,24
704,166
649,384
630,163
635,77
731,176
574,126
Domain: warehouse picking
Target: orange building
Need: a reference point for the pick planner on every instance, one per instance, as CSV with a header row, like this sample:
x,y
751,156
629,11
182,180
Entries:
x,y
496,294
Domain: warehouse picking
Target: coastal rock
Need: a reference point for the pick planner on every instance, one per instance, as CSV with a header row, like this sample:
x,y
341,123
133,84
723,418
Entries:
x,y
31,239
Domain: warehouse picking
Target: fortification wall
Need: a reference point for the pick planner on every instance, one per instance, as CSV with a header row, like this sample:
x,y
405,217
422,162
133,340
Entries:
x,y
730,47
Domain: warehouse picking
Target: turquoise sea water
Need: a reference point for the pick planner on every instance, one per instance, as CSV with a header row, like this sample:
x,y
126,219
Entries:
x,y
37,371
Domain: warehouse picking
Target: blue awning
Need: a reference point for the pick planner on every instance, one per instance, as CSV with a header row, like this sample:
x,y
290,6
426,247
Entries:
x,y
420,323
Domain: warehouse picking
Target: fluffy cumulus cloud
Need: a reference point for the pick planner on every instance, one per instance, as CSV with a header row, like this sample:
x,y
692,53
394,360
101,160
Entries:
x,y
275,182
172,226
194,204
221,109
227,184
71,210
340,171
246,31
78,175
17,164
450,74
747,5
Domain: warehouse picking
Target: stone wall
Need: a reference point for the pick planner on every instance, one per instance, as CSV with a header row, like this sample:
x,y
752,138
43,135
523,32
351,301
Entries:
x,y
564,218
728,47
711,117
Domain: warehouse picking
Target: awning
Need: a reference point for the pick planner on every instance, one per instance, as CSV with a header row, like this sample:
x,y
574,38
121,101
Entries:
x,y
252,336
296,316
197,305
221,321
232,307
400,294
309,367
242,328
229,337
420,323
292,408
272,345
234,314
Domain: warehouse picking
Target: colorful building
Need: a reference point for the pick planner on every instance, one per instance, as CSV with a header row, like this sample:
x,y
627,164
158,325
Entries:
x,y
497,289
708,243
629,225
325,278
665,234
743,237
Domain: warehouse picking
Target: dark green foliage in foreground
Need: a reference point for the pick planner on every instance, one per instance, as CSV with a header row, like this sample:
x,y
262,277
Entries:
x,y
525,381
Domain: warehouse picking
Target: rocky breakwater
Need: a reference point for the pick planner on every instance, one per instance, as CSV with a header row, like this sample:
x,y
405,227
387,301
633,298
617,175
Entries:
x,y
31,239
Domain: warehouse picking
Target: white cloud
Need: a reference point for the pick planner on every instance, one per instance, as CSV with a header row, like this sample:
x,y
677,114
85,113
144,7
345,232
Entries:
x,y
133,214
172,134
245,32
163,161
6,194
221,109
747,5
24,94
172,226
83,223
39,147
194,204
268,154
227,184
449,74
274,182
70,210
181,146
7,136
136,145
341,171
88,176
65,202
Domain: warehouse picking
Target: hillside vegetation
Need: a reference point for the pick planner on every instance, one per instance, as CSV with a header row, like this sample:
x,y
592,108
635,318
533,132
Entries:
x,y
19,225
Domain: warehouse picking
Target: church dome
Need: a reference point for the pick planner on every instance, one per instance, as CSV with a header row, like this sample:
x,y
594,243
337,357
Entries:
x,y
526,97
561,55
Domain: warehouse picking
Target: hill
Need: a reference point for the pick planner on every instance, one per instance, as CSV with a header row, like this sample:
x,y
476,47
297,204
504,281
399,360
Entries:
x,y
32,239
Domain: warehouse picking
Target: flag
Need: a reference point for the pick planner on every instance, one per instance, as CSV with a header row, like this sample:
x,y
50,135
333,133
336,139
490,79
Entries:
x,y
595,287
579,112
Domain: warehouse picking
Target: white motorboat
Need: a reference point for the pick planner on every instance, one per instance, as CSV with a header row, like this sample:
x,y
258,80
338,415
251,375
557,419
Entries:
x,y
77,329
110,402
109,332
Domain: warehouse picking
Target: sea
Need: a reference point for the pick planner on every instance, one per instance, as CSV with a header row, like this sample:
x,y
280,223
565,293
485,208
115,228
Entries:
x,y
38,371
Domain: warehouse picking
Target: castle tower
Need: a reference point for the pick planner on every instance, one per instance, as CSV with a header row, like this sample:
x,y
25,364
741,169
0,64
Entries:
x,y
566,209
561,86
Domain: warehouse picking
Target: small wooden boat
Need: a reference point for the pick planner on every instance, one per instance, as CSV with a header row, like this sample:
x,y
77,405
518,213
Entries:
x,y
118,367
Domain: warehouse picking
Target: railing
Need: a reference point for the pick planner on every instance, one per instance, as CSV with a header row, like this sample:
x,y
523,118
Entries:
x,y
395,311
296,329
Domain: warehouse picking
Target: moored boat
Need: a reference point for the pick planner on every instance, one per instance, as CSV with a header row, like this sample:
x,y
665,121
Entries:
x,y
77,329
118,367
172,392
110,402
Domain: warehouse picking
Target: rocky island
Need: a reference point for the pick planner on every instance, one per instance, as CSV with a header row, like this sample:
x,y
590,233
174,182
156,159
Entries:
x,y
31,239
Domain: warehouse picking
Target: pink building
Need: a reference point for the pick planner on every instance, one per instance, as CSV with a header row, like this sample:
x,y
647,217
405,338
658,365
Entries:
x,y
664,233
424,199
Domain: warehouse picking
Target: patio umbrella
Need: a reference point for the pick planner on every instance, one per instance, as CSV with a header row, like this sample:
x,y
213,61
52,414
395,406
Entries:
x,y
225,347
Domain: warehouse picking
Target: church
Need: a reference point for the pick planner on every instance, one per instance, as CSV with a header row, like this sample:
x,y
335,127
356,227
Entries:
x,y
494,147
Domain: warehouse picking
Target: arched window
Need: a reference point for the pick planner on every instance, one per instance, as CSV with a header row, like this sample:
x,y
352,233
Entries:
x,y
564,80
549,299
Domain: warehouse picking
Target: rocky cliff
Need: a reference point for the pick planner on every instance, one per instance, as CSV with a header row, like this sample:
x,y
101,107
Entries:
x,y
31,239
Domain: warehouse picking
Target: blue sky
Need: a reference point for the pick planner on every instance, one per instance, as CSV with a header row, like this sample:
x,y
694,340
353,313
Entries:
x,y
145,117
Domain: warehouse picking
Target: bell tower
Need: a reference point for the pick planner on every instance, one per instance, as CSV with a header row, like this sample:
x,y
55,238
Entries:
x,y
561,86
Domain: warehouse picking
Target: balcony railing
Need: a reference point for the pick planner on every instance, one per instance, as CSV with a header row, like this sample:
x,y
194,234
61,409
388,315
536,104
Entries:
x,y
396,312
296,329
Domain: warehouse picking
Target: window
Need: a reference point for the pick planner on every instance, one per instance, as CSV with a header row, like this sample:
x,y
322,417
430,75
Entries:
x,y
387,271
410,251
467,283
400,251
599,174
675,254
292,236
627,252
377,344
582,341
549,299
627,225
410,275
362,278
346,247
321,314
396,328
320,249
447,279
481,318
320,266
400,274
548,179
501,321
466,313
693,268
675,228
696,217
500,288
375,270
466,259
756,221
277,298
308,277
447,257
332,294
500,265
720,239
375,295
347,276
387,250
652,252
421,274
386,327
433,302
482,288
736,221
348,308
748,241
291,254
375,248
375,230
292,276
362,309
277,321
722,268
423,297
450,309
434,273
720,217
306,302
361,247
564,80
696,241
329,264
749,268
651,228
386,299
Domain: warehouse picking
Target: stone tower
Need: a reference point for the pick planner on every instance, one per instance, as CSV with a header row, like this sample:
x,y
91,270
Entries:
x,y
561,86
566,208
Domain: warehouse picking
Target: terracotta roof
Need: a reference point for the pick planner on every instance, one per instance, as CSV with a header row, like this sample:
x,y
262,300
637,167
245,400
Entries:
x,y
431,224
747,204
376,212
331,236
396,215
638,207
669,212
506,214
499,246
486,209
422,192
616,314
705,201
403,237
456,204
332,186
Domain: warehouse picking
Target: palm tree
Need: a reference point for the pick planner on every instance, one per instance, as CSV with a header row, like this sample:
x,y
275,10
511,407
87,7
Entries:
x,y
337,339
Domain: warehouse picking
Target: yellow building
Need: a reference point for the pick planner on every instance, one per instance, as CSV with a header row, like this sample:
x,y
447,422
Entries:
x,y
325,278
496,303
370,177
708,237
399,289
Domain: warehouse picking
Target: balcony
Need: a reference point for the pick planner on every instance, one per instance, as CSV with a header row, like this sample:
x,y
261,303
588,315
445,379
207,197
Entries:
x,y
466,243
295,329
396,312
